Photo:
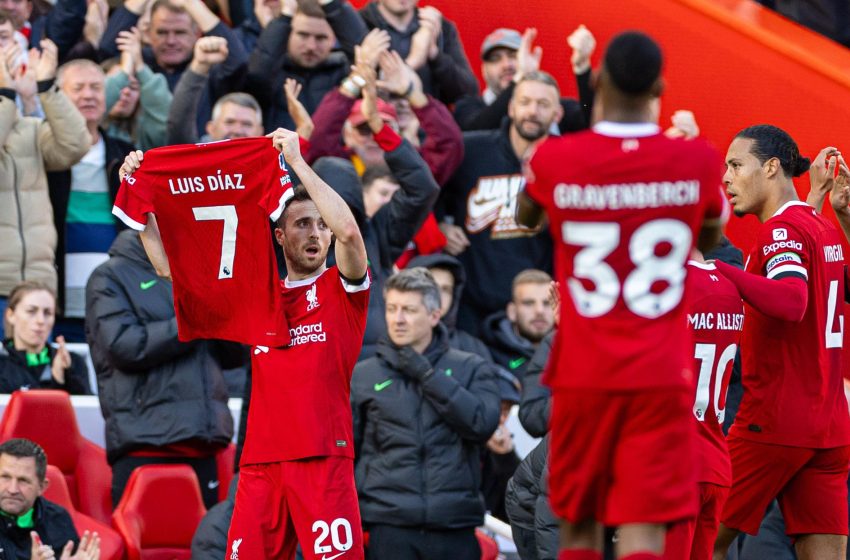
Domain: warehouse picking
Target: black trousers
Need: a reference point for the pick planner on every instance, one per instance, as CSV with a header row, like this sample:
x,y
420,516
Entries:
x,y
206,469
387,542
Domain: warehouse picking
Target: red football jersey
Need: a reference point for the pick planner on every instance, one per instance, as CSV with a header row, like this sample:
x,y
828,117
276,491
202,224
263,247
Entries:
x,y
793,387
301,395
213,203
716,318
625,204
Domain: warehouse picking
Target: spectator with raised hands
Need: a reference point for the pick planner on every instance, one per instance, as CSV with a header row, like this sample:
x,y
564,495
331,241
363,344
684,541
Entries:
x,y
175,26
506,56
137,99
429,43
62,23
22,75
28,248
299,44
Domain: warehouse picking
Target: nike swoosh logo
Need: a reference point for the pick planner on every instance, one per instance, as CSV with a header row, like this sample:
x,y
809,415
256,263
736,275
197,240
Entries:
x,y
213,484
334,556
513,364
147,285
380,387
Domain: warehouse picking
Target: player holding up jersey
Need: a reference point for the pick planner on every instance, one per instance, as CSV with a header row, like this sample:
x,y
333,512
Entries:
x,y
716,317
627,204
791,437
297,470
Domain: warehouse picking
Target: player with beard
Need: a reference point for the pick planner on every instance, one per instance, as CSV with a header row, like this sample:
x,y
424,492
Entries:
x,y
297,471
477,206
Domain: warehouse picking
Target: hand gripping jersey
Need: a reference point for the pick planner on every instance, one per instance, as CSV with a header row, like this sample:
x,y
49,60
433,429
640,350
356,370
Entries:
x,y
301,395
625,204
716,317
212,203
791,371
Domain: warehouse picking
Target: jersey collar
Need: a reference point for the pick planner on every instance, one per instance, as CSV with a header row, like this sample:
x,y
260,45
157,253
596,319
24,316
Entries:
x,y
626,130
704,266
788,205
303,282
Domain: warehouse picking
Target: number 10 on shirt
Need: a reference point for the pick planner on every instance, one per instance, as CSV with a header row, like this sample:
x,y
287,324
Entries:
x,y
228,235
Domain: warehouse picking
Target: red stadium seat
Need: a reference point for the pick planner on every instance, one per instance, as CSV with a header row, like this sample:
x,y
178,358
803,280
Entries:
x,y
159,512
111,543
489,547
224,461
47,418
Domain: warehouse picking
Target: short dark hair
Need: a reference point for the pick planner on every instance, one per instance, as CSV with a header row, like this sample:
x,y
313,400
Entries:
x,y
299,194
23,448
168,6
772,142
311,8
375,172
4,17
633,61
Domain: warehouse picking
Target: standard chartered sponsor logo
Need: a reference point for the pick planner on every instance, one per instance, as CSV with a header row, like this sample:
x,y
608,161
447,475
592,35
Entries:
x,y
313,332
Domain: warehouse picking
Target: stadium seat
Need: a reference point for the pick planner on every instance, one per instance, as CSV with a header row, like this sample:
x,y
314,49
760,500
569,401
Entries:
x,y
489,547
224,463
111,543
47,417
159,512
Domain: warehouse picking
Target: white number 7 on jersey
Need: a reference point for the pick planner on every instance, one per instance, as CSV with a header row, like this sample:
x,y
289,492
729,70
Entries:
x,y
228,234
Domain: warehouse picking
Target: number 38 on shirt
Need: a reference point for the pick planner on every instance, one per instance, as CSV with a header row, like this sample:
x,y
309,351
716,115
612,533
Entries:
x,y
653,283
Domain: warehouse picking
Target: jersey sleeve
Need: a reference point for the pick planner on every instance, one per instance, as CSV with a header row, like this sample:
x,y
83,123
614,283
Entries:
x,y
356,293
782,251
134,201
278,189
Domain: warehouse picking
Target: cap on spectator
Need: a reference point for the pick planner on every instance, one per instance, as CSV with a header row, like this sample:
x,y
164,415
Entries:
x,y
502,37
508,385
385,110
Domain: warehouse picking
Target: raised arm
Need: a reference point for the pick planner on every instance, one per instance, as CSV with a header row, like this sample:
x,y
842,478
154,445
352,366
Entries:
x,y
350,251
822,176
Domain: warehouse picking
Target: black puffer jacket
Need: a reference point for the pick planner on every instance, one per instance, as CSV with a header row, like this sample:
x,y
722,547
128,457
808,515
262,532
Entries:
x,y
40,376
527,501
388,232
509,350
154,390
51,521
418,444
458,339
535,403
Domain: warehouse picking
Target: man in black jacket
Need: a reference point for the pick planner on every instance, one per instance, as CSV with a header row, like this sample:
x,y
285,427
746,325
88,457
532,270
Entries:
x,y
477,206
299,45
30,526
514,334
421,412
164,401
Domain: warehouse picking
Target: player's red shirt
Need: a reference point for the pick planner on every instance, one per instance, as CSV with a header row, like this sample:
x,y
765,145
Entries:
x,y
301,395
793,387
213,203
625,204
716,318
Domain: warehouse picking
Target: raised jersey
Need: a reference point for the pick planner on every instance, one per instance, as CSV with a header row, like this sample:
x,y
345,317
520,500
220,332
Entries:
x,y
301,395
213,203
716,318
625,204
793,387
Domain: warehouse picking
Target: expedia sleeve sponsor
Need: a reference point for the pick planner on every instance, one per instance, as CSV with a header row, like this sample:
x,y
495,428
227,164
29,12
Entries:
x,y
785,259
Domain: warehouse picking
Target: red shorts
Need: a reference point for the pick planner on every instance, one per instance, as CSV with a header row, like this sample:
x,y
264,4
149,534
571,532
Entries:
x,y
811,485
694,538
313,501
623,457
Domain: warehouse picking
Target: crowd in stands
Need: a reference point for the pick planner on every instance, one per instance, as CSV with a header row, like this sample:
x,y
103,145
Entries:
x,y
84,83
